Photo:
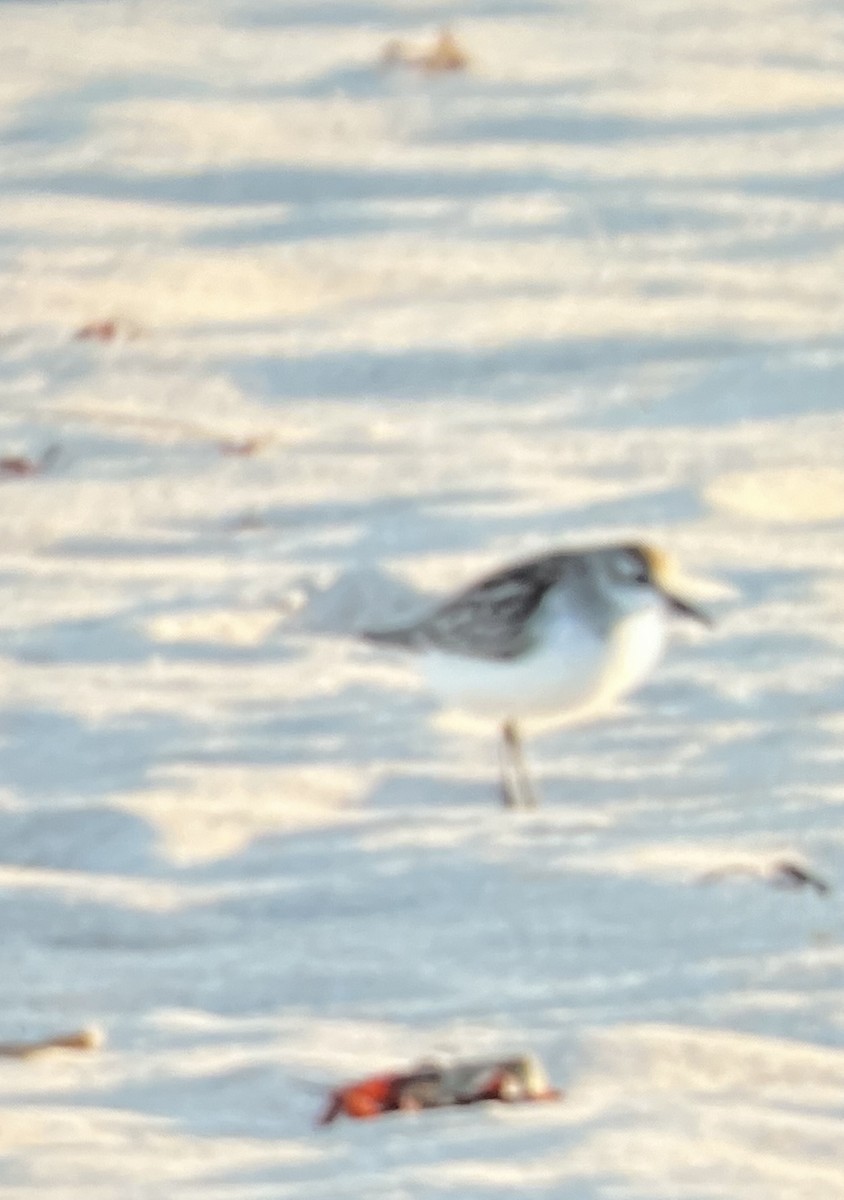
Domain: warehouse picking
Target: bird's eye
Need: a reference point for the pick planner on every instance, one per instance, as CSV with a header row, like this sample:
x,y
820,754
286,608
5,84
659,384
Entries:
x,y
632,568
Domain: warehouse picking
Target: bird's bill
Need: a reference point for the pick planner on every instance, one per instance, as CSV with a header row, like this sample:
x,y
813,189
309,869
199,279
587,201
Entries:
x,y
683,609
664,577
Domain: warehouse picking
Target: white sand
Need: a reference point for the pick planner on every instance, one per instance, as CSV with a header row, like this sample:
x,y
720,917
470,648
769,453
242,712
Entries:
x,y
591,289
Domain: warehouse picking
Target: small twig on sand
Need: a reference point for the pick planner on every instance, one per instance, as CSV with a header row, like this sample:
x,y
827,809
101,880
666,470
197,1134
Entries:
x,y
791,875
783,874
172,427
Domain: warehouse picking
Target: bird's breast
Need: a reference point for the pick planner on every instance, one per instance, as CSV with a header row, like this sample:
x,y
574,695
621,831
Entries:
x,y
570,671
557,675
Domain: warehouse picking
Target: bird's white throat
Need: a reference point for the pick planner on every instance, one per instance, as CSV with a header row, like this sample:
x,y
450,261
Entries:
x,y
636,645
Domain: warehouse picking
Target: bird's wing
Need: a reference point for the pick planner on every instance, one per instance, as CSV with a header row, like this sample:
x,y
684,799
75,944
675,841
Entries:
x,y
489,620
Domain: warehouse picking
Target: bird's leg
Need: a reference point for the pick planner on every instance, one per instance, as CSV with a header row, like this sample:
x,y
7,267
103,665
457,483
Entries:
x,y
509,795
517,791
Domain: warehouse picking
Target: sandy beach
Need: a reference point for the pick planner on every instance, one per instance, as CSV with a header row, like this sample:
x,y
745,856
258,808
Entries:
x,y
291,337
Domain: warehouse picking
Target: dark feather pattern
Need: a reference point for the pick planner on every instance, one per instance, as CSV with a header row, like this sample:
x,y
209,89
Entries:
x,y
490,619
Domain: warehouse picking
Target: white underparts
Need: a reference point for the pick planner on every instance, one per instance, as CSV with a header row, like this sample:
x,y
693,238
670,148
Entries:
x,y
570,673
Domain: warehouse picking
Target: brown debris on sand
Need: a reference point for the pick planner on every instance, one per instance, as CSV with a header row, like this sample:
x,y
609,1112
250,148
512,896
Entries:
x,y
446,54
79,1039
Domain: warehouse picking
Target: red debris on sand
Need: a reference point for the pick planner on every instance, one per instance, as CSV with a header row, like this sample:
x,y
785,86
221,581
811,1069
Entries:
x,y
241,449
108,330
510,1080
19,466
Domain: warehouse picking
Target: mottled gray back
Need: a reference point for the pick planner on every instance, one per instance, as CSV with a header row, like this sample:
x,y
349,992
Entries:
x,y
491,619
